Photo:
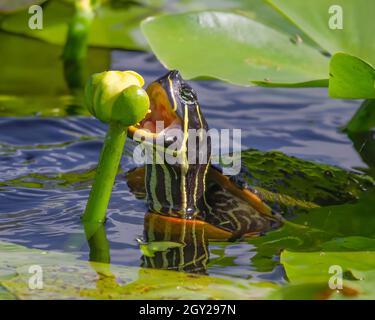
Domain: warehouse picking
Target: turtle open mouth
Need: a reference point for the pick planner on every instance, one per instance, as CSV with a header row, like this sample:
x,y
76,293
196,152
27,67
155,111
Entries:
x,y
161,117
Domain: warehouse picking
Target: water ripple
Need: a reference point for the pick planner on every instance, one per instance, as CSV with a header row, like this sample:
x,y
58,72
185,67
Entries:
x,y
46,164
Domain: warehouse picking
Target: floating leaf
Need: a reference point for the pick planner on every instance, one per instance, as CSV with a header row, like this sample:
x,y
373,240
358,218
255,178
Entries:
x,y
364,119
332,228
38,68
352,243
364,143
8,6
351,77
148,249
67,277
341,26
112,27
233,48
314,266
230,47
354,268
320,19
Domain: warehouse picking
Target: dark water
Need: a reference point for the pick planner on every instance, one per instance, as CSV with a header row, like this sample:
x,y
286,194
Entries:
x,y
45,163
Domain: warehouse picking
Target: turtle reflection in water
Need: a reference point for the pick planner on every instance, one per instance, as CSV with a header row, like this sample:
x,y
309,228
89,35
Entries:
x,y
189,203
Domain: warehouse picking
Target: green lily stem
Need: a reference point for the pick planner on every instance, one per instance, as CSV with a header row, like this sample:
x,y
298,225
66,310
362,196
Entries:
x,y
79,28
99,253
106,173
98,243
75,49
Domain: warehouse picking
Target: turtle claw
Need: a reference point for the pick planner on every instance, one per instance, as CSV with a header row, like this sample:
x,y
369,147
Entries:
x,y
240,179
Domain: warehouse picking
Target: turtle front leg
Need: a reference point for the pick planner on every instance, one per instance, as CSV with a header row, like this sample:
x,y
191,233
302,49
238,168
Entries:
x,y
135,179
238,186
231,205
240,180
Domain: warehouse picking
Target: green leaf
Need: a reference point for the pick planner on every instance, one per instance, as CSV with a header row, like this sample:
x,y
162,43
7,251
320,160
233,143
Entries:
x,y
364,119
348,227
314,266
293,187
38,68
8,6
364,144
355,268
351,73
355,38
353,243
67,277
219,45
351,78
27,70
305,291
148,249
112,27
33,78
231,47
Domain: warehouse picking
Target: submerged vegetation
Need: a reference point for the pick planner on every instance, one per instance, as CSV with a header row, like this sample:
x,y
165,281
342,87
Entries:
x,y
327,210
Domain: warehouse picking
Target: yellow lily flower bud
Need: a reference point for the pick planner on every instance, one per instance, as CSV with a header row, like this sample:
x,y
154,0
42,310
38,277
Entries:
x,y
122,89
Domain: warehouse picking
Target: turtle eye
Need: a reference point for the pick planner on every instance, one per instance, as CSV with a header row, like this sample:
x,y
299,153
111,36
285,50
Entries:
x,y
187,94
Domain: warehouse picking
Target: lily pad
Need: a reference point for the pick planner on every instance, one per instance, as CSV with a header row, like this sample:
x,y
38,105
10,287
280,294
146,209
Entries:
x,y
364,143
355,268
314,266
38,68
67,277
149,249
231,47
247,46
364,118
353,243
343,26
351,77
9,6
346,227
111,28
320,19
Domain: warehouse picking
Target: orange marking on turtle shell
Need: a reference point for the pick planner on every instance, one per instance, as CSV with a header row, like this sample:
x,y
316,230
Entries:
x,y
243,194
176,224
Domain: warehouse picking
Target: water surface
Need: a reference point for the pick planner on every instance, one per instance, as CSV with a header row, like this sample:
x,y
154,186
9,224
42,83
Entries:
x,y
46,163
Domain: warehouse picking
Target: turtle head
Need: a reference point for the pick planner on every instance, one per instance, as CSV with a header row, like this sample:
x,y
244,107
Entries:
x,y
176,185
